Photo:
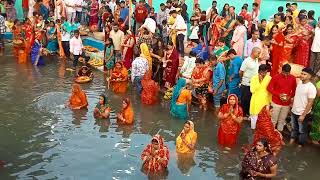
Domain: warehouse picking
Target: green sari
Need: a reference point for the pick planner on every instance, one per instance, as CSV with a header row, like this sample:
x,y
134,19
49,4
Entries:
x,y
315,129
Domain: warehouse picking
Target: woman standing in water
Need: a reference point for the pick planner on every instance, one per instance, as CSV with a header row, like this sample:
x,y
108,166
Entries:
x,y
181,100
102,109
78,98
231,116
187,139
259,163
126,115
119,78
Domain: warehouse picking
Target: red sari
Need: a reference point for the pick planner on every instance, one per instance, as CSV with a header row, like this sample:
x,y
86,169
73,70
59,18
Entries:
x,y
304,46
266,130
150,90
277,53
153,165
214,33
170,71
94,14
128,52
28,29
289,44
229,129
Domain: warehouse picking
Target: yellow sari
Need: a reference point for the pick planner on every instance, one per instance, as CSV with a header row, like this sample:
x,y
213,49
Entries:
x,y
191,138
146,54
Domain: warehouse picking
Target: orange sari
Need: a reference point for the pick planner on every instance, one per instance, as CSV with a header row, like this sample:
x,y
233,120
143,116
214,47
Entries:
x,y
119,79
78,98
127,113
16,31
150,90
59,36
28,30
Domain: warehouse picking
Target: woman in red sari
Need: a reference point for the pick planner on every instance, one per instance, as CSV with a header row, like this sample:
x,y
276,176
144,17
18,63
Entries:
x,y
214,30
127,48
277,43
155,156
289,43
266,130
171,64
231,116
28,31
305,33
93,21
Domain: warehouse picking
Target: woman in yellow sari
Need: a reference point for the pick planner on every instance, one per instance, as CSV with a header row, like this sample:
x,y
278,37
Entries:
x,y
119,78
185,142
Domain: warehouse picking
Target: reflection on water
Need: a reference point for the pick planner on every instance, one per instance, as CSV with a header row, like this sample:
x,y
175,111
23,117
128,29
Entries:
x,y
41,139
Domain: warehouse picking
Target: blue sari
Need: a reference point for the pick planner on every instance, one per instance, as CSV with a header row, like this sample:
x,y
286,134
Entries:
x,y
52,45
178,111
35,54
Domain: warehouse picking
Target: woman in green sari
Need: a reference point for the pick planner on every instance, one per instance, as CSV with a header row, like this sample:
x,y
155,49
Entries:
x,y
227,27
315,129
102,109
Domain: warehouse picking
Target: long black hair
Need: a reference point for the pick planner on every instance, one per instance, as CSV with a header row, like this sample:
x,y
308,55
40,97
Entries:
x,y
265,144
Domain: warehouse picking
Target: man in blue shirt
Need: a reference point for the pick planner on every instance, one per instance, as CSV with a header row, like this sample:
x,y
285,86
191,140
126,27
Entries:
x,y
124,12
234,78
218,79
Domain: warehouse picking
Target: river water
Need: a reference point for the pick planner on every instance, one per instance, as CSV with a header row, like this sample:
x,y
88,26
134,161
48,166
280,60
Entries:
x,y
40,139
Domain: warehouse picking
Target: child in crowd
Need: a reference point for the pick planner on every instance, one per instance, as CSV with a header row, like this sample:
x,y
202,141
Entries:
x,y
194,31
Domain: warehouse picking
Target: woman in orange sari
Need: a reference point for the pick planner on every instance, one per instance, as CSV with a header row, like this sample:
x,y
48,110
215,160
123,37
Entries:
x,y
150,90
277,43
59,36
126,115
78,98
28,31
231,116
305,33
289,43
266,130
16,31
119,78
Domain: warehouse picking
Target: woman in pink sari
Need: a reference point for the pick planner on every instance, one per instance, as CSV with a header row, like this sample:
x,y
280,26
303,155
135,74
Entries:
x,y
171,64
239,36
127,49
94,13
305,32
277,43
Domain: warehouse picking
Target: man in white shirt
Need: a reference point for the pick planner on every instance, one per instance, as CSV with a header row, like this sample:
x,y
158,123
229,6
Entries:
x,y
71,10
251,43
248,69
302,104
76,48
181,28
188,65
117,37
315,49
138,70
111,4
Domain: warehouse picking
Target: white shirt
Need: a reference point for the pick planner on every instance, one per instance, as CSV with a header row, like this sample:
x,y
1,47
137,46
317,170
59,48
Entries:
x,y
70,3
112,6
76,46
300,100
250,68
139,67
194,32
79,3
188,66
316,40
117,38
180,24
65,36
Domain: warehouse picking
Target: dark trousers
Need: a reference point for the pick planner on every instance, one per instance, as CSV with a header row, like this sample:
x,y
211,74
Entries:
x,y
66,48
245,99
137,83
76,59
180,45
299,129
78,16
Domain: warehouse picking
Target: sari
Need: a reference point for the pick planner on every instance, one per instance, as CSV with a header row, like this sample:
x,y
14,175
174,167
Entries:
x,y
17,35
94,8
101,108
36,57
214,31
59,37
265,130
146,54
252,162
119,79
109,55
127,113
304,45
78,98
260,95
239,38
190,138
52,45
28,31
159,160
170,71
229,33
201,72
315,128
277,53
180,98
127,52
229,129
289,44
150,90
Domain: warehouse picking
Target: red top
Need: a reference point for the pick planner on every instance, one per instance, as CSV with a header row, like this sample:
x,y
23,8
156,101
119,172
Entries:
x,y
282,84
25,4
141,13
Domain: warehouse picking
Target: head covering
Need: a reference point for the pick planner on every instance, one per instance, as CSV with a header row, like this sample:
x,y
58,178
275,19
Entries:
x,y
159,139
308,70
191,125
145,52
176,92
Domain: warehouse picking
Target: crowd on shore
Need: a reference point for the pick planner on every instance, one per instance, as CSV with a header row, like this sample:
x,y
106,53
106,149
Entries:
x,y
265,71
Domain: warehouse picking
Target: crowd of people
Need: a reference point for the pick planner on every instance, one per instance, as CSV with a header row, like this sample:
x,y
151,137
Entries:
x,y
247,68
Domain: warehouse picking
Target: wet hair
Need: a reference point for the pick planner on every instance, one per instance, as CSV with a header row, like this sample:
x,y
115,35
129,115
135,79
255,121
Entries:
x,y
266,144
280,9
286,68
104,98
231,51
263,68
